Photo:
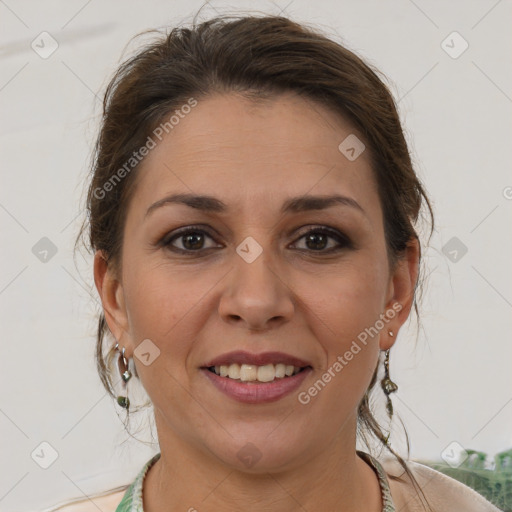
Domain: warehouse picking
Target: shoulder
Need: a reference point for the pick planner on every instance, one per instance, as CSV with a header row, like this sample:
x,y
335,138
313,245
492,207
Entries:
x,y
444,494
106,503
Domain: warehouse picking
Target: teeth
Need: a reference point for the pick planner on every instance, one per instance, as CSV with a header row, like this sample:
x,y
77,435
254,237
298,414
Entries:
x,y
248,372
266,373
233,371
251,372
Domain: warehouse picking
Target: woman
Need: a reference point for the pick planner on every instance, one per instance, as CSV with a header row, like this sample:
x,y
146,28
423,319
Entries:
x,y
252,212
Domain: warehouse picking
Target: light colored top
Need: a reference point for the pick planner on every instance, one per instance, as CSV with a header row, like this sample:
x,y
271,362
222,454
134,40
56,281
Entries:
x,y
444,493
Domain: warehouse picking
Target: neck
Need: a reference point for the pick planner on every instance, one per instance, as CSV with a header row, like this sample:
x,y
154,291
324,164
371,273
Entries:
x,y
335,479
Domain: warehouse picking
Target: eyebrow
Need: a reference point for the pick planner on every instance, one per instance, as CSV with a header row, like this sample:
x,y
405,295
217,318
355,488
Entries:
x,y
297,204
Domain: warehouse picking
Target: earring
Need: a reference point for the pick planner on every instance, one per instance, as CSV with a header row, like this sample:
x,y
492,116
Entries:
x,y
122,363
387,384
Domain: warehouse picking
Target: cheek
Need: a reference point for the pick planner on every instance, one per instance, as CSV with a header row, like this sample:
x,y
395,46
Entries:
x,y
160,309
350,298
152,306
157,296
347,314
163,304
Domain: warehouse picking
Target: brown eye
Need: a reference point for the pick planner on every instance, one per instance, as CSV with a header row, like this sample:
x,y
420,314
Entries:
x,y
317,240
190,240
193,240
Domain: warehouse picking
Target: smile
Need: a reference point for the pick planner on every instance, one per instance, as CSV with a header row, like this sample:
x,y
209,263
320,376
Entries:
x,y
254,391
251,373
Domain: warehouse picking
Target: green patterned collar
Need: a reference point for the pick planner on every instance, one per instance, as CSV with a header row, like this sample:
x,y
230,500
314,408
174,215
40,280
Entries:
x,y
132,499
387,501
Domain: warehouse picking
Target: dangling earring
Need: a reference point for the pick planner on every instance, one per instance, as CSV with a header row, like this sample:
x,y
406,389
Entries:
x,y
122,363
387,384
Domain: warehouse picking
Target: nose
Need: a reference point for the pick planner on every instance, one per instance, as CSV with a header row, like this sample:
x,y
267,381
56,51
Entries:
x,y
256,295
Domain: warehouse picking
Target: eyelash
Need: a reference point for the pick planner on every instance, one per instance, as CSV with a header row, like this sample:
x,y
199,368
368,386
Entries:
x,y
343,241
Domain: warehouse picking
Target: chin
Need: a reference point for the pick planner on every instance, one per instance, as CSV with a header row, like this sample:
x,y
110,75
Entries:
x,y
259,454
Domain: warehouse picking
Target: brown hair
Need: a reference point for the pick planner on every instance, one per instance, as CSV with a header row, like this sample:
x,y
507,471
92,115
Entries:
x,y
257,57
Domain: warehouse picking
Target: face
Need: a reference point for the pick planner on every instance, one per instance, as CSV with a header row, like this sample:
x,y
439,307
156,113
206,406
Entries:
x,y
237,273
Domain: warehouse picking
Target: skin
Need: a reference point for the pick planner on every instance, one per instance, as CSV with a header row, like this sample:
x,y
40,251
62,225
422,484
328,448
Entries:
x,y
293,298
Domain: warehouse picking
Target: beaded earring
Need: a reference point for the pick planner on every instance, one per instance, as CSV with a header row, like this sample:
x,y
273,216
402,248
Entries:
x,y
387,384
126,374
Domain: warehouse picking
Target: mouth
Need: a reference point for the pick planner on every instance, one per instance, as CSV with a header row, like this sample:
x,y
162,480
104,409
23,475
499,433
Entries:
x,y
254,373
256,391
264,367
256,378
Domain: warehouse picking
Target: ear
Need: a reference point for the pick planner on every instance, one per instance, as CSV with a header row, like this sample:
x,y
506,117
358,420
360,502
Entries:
x,y
402,284
112,297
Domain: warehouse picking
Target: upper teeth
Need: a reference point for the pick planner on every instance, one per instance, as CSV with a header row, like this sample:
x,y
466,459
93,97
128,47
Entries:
x,y
251,372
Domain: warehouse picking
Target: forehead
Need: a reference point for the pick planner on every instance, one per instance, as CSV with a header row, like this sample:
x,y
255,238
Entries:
x,y
249,153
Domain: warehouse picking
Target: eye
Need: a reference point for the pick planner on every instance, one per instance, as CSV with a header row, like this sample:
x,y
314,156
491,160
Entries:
x,y
192,240
317,239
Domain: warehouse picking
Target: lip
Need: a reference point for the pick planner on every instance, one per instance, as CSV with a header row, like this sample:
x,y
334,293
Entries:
x,y
257,392
243,357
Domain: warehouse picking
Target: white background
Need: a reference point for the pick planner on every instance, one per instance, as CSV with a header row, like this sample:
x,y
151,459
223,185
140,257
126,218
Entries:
x,y
455,382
